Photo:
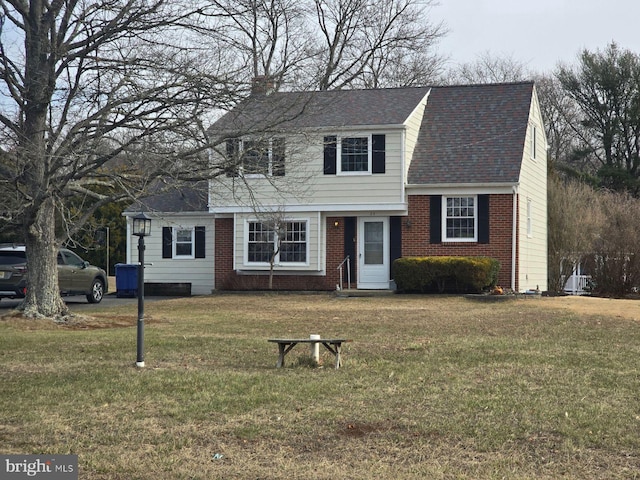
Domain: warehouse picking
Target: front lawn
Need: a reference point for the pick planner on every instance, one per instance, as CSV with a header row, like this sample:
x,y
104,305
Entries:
x,y
432,387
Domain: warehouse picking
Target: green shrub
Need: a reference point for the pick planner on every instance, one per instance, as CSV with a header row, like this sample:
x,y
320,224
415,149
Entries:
x,y
445,274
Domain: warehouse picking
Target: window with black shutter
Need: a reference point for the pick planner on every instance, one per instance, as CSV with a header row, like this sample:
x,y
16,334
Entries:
x,y
180,242
354,155
378,145
330,155
232,160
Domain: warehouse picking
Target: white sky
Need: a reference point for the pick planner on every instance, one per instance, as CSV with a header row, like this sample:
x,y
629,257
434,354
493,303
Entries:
x,y
539,33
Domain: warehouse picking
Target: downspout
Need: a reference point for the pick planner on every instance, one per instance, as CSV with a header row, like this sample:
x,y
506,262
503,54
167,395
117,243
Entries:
x,y
129,246
514,243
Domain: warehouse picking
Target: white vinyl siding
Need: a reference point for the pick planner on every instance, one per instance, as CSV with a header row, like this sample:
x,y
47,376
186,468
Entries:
x,y
187,269
532,207
411,134
305,183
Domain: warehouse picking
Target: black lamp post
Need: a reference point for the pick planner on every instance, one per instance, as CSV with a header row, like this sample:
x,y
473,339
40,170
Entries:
x,y
141,229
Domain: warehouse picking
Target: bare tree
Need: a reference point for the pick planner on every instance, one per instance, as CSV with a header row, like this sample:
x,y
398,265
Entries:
x,y
99,98
616,268
561,118
273,230
575,221
269,38
375,43
488,68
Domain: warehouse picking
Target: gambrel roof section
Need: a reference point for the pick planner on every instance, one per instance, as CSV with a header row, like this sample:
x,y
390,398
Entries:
x,y
290,111
472,134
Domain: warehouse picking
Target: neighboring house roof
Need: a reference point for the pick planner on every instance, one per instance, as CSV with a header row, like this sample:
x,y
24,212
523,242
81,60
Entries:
x,y
472,134
284,111
187,198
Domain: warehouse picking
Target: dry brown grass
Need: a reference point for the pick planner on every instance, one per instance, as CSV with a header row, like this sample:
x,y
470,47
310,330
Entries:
x,y
432,387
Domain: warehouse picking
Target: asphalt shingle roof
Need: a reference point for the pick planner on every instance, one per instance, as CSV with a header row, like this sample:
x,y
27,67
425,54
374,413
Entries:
x,y
187,198
472,134
469,134
282,111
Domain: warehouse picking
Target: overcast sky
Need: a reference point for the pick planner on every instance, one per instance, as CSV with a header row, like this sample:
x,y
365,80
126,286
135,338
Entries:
x,y
539,33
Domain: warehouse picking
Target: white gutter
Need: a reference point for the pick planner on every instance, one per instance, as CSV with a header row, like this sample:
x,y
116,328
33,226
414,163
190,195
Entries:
x,y
403,162
514,232
429,187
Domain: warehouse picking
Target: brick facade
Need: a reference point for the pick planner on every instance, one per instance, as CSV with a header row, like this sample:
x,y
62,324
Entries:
x,y
415,235
415,242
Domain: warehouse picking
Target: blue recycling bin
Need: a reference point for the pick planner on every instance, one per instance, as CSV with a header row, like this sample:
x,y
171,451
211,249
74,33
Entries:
x,y
126,280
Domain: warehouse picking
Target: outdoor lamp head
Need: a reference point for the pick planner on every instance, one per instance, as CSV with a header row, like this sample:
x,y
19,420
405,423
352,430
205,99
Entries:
x,y
141,225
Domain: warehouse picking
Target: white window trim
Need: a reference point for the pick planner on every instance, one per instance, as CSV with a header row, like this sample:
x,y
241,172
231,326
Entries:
x,y
446,239
175,243
276,262
339,171
534,139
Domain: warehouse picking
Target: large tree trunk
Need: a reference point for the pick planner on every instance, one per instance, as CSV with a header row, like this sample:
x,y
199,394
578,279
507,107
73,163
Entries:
x,y
43,295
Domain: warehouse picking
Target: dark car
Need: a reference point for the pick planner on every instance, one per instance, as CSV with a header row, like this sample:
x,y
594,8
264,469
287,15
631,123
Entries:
x,y
75,276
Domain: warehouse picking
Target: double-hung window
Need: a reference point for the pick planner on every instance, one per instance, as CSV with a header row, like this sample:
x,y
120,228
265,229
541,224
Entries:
x,y
288,241
183,245
261,245
183,242
255,157
358,154
460,219
293,245
354,154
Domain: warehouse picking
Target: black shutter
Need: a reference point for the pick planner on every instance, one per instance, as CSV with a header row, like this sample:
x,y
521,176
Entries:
x,y
330,155
167,242
435,214
483,218
395,240
350,242
378,153
277,157
200,242
231,165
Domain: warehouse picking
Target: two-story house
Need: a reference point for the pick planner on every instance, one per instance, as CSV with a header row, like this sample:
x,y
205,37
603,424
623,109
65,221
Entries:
x,y
372,175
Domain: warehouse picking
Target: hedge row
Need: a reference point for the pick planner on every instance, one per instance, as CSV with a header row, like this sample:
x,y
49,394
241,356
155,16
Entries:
x,y
445,274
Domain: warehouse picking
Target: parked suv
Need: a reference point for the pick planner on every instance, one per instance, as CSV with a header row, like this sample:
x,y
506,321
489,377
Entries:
x,y
75,276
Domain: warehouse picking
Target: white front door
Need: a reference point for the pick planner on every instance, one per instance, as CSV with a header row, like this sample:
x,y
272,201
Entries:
x,y
373,252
